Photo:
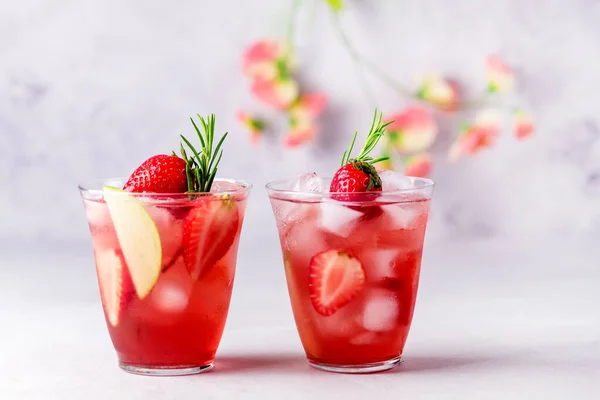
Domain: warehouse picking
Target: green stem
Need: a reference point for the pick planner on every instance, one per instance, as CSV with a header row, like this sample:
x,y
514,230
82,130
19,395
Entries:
x,y
357,60
362,64
291,24
387,78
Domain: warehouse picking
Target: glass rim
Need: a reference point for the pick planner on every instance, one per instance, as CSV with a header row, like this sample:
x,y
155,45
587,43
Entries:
x,y
271,188
244,187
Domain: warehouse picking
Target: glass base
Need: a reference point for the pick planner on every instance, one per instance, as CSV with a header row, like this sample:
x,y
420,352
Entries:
x,y
165,371
358,368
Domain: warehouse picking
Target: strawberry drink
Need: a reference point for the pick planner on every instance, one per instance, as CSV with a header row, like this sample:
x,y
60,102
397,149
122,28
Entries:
x,y
352,258
165,243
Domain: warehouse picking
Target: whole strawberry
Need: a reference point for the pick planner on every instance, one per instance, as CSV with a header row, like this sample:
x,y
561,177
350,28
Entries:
x,y
355,177
358,175
159,174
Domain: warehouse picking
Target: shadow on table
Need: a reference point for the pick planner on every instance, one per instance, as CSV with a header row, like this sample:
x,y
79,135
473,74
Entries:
x,y
259,363
297,362
418,364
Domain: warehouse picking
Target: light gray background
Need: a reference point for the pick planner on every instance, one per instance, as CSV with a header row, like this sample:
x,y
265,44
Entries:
x,y
90,88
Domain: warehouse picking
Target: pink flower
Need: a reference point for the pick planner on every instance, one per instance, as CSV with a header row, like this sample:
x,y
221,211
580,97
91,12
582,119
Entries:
x,y
523,124
500,75
254,125
309,106
267,63
419,165
260,59
278,93
474,138
303,113
440,92
301,131
413,129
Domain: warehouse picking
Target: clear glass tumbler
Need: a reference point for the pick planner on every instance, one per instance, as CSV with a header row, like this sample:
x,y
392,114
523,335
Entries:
x,y
361,256
165,266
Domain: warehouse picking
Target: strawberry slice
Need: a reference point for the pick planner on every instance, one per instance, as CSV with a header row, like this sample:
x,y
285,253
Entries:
x,y
209,230
335,279
115,284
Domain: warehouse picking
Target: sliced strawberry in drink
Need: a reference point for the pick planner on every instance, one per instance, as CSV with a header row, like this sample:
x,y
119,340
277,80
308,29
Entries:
x,y
335,279
209,230
115,284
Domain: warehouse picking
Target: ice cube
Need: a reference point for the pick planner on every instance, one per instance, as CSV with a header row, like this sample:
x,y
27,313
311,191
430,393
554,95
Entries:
x,y
337,218
97,213
101,227
402,215
343,323
289,213
224,186
171,298
308,182
303,242
172,291
380,311
391,180
381,262
160,215
170,230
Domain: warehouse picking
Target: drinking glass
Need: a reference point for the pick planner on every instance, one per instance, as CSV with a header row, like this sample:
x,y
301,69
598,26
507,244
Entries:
x,y
381,231
165,265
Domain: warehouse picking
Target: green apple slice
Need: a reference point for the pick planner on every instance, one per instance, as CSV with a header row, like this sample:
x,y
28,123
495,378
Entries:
x,y
138,236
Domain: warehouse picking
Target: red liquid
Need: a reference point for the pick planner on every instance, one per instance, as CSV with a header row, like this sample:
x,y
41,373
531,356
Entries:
x,y
387,238
180,322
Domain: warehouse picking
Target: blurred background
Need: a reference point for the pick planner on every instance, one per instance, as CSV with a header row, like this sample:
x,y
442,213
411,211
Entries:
x,y
91,89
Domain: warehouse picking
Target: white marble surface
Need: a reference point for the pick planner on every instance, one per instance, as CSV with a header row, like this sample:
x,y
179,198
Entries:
x,y
494,320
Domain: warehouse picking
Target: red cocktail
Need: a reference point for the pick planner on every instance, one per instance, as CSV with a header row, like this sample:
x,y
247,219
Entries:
x,y
384,236
165,247
352,257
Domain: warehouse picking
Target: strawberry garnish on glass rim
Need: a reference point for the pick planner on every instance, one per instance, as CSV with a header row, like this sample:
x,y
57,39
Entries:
x,y
211,225
173,174
158,174
358,175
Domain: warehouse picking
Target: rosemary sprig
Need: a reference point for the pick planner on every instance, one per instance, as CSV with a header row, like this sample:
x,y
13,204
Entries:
x,y
201,168
375,133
